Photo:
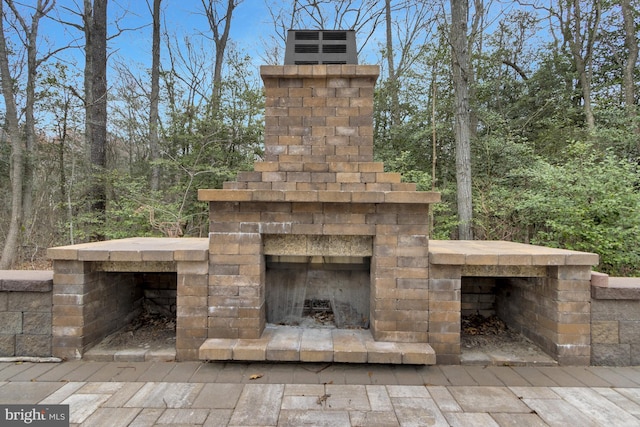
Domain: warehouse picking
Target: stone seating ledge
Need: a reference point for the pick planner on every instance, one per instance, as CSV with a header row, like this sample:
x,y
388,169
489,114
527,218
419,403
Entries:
x,y
614,288
26,280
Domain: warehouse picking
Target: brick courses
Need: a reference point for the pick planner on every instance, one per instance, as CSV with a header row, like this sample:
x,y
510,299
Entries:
x,y
542,292
25,313
615,320
318,178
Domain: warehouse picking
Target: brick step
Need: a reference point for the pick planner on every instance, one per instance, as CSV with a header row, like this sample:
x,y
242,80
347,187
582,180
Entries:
x,y
294,344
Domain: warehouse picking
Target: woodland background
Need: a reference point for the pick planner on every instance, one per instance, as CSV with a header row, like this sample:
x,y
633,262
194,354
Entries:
x,y
524,115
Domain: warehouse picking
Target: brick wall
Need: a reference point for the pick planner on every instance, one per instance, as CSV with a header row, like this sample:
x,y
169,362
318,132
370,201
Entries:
x,y
89,305
159,291
192,304
615,321
552,311
25,313
319,179
478,296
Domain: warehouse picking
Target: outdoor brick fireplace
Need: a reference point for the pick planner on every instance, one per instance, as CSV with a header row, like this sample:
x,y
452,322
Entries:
x,y
319,199
319,227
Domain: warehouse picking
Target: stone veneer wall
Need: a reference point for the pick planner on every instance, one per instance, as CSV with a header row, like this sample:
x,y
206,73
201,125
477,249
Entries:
x,y
615,321
25,313
319,179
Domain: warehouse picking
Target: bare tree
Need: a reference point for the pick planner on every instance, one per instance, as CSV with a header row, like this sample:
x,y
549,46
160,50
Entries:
x,y
407,28
220,24
17,152
30,31
579,23
21,166
460,70
154,117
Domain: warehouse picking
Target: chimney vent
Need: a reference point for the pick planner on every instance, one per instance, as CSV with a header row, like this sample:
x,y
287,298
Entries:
x,y
310,47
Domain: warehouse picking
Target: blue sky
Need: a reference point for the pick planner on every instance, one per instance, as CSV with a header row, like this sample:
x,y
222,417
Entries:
x,y
186,17
251,23
180,18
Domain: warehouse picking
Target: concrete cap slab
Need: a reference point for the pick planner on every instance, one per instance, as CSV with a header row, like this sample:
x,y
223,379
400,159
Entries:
x,y
135,249
485,252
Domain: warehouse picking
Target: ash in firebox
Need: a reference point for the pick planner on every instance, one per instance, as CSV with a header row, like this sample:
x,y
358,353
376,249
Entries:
x,y
152,331
490,340
478,330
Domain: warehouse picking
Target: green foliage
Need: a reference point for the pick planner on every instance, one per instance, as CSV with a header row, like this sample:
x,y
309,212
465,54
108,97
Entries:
x,y
529,185
590,203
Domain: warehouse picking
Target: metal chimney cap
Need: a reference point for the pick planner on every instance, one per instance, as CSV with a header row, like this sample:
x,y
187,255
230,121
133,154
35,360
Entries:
x,y
311,47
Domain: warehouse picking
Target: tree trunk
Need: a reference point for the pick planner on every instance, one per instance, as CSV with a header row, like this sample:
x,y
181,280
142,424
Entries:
x,y
29,120
460,70
475,38
12,242
393,78
22,171
580,30
585,78
98,124
87,17
631,43
154,144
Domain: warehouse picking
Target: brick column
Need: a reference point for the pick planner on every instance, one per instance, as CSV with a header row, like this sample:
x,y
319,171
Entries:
x,y
236,306
568,308
319,113
71,297
445,283
191,301
400,274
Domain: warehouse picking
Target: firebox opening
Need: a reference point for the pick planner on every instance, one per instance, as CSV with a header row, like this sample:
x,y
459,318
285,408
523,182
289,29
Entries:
x,y
492,321
318,291
140,313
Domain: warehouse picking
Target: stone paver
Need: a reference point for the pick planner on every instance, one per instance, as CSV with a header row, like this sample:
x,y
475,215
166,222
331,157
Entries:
x,y
223,394
259,405
17,393
596,406
491,399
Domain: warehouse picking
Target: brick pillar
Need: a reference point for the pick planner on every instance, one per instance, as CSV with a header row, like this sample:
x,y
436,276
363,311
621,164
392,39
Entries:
x,y
236,306
445,284
400,274
191,301
71,295
569,310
